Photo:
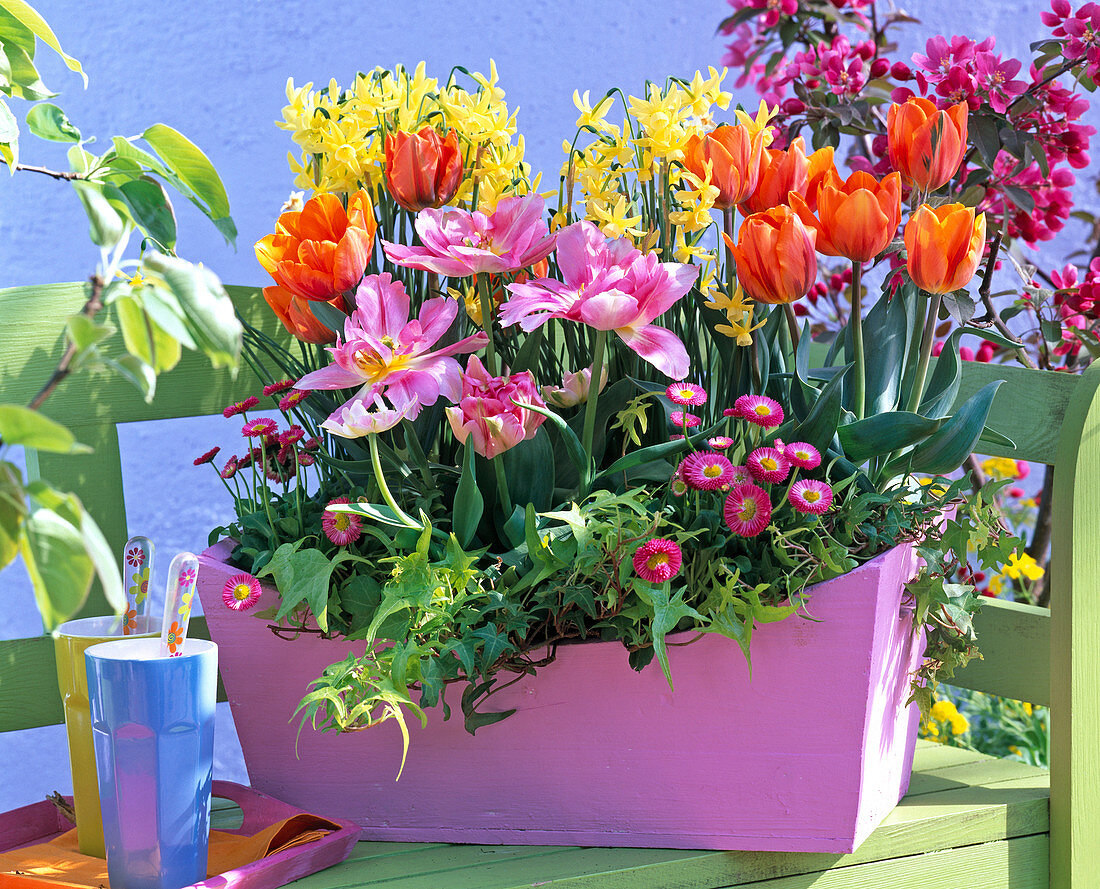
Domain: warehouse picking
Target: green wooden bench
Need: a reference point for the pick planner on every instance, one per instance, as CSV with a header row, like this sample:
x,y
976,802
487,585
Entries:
x,y
968,820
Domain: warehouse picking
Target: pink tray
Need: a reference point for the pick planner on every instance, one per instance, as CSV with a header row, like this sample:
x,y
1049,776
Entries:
x,y
41,822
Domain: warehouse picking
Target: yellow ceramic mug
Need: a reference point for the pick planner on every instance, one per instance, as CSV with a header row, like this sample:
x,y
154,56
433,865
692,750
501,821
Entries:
x,y
70,640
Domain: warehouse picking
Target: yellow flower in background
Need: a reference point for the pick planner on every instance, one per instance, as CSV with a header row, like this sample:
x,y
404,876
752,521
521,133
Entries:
x,y
999,467
943,711
959,725
996,584
1025,565
615,220
738,311
1028,709
696,201
760,123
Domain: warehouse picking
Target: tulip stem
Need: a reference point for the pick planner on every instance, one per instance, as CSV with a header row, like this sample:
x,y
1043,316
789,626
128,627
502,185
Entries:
x,y
593,393
485,297
380,477
792,325
927,336
856,322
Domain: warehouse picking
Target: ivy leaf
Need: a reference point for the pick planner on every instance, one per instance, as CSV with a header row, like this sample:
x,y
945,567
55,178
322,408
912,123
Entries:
x,y
301,576
667,613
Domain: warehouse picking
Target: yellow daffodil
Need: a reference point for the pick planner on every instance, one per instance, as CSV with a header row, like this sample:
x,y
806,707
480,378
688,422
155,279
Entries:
x,y
594,117
760,123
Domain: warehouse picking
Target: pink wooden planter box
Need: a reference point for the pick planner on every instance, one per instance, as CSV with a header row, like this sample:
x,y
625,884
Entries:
x,y
807,757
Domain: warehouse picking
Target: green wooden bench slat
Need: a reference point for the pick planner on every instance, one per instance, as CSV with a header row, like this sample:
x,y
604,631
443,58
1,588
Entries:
x,y
1075,650
1015,643
33,340
28,681
1028,408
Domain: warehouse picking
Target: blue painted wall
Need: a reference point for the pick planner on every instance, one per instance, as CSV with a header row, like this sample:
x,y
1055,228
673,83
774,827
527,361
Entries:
x,y
216,70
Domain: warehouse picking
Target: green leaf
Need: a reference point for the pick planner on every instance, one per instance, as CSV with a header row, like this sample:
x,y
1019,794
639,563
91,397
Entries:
x,y
61,572
529,469
136,372
106,225
16,13
985,136
22,426
301,576
960,306
657,452
328,315
9,127
573,444
207,310
26,83
667,613
86,335
820,426
946,450
187,161
883,433
13,509
469,505
151,210
145,339
886,329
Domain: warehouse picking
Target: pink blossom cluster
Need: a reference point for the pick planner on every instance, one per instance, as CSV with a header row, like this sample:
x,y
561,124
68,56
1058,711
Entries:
x,y
1079,32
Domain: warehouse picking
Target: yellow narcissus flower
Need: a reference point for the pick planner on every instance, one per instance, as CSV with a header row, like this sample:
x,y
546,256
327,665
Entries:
x,y
594,117
738,312
1000,467
615,220
761,123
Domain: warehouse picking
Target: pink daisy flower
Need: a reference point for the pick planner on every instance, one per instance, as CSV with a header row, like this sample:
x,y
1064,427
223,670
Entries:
x,y
312,444
740,476
680,418
720,443
686,393
292,399
759,410
241,592
241,406
747,511
230,468
276,388
768,465
258,427
731,412
810,495
291,436
208,457
341,528
802,455
706,472
306,459
658,560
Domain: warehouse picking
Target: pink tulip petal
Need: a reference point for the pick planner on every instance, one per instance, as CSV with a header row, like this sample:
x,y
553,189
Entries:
x,y
660,347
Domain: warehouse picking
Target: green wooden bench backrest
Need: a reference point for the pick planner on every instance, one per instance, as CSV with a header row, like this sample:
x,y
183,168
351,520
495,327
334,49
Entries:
x,y
1053,418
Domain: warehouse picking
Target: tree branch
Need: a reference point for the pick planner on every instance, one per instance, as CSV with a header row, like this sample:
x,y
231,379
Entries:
x,y
90,310
55,174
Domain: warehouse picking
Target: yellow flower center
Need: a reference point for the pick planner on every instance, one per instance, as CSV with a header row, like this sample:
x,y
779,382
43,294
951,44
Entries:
x,y
657,560
748,511
342,521
762,410
241,592
686,393
712,471
769,464
375,367
811,496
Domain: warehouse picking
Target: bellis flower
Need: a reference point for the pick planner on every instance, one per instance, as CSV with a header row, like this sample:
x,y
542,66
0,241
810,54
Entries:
x,y
489,411
747,510
384,352
608,285
658,560
706,472
458,243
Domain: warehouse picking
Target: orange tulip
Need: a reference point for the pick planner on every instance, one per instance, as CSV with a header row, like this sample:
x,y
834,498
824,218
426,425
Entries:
x,y
775,257
297,317
423,170
856,218
733,155
926,145
945,245
322,250
782,172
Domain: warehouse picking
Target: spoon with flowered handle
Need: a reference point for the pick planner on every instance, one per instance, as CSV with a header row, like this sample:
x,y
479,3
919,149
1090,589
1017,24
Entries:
x,y
137,570
183,573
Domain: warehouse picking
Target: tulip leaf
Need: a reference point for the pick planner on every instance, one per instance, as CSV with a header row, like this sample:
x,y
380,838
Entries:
x,y
943,385
573,444
882,433
886,330
992,436
820,425
529,469
947,449
327,314
657,452
468,504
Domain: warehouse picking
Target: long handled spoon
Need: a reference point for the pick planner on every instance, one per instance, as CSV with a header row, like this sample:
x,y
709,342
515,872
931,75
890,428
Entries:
x,y
138,567
183,574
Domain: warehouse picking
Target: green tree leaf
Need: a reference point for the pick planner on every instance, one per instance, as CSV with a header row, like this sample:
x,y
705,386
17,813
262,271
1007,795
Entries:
x,y
13,509
60,570
187,161
151,210
16,16
143,338
22,426
106,228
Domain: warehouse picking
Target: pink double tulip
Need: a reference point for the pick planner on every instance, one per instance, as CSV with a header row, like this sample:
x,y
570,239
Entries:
x,y
384,353
489,412
458,243
608,285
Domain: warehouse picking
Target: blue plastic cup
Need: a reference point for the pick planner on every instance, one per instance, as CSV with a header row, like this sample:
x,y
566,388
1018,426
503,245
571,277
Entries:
x,y
153,732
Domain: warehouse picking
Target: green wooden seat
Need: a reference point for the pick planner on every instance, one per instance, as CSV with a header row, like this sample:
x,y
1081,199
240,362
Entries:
x,y
968,820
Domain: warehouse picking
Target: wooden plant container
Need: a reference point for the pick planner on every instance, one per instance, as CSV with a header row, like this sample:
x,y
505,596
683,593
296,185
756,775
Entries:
x,y
808,756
